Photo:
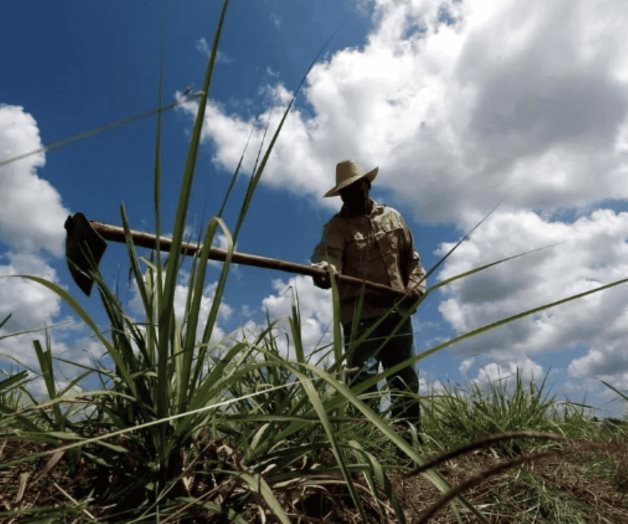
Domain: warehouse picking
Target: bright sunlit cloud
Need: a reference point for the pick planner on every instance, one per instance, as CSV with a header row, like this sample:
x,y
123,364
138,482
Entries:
x,y
31,225
463,104
454,124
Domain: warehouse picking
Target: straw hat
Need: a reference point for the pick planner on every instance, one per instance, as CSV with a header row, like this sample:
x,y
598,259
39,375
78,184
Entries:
x,y
348,172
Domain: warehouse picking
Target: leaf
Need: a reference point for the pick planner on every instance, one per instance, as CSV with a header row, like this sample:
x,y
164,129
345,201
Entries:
x,y
13,380
620,393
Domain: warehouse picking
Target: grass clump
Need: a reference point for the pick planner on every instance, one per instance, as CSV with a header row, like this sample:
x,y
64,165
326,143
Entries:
x,y
457,415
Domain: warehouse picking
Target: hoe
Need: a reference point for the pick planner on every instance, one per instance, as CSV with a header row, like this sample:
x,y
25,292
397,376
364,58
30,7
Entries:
x,y
86,242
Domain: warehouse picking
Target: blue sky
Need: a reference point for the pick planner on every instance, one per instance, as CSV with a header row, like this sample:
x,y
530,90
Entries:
x,y
460,104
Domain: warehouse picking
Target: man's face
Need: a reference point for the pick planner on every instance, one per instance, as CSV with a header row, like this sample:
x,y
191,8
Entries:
x,y
356,197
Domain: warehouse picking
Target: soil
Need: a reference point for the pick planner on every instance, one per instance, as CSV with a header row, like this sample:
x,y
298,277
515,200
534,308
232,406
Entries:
x,y
590,480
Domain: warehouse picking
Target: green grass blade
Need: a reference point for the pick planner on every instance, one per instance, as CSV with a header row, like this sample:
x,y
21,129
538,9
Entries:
x,y
483,329
135,264
295,328
130,429
44,357
320,410
486,266
195,296
258,485
246,202
92,132
377,421
234,177
166,313
157,190
613,388
190,164
5,320
13,381
377,477
466,236
337,340
220,288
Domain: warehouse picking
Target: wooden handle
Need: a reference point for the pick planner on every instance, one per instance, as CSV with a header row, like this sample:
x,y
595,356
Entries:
x,y
148,240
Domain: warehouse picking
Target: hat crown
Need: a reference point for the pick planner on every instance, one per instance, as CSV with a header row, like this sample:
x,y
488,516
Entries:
x,y
347,170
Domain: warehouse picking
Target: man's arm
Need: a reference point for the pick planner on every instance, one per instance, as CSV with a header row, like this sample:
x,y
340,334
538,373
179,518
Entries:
x,y
328,254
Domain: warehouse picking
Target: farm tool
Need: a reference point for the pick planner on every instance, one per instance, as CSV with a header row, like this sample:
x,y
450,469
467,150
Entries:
x,y
86,242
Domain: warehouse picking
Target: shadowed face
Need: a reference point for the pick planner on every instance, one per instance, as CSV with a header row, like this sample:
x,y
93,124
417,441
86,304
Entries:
x,y
355,197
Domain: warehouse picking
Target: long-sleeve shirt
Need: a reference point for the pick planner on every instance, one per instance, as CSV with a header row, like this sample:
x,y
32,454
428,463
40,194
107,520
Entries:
x,y
376,247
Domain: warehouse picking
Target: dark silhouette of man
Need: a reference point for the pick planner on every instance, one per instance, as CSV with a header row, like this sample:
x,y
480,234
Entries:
x,y
373,242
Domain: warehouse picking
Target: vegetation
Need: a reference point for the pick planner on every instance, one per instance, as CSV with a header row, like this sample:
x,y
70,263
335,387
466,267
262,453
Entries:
x,y
187,428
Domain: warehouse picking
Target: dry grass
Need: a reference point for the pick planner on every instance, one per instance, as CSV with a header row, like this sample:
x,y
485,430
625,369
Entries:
x,y
580,482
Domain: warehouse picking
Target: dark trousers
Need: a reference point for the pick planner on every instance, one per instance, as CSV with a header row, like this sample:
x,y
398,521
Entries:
x,y
389,349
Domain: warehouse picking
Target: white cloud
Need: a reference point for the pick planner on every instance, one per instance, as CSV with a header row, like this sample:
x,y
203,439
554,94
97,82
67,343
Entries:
x,y
31,212
30,304
31,225
605,360
490,99
31,222
315,313
460,104
593,252
493,372
270,72
202,46
314,307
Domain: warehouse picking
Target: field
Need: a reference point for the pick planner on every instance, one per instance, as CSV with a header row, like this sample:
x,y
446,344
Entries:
x,y
187,428
514,453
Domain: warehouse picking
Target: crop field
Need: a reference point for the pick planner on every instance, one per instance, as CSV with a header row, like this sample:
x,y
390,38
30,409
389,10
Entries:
x,y
194,428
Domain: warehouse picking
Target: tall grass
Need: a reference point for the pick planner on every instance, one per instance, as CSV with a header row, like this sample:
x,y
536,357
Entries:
x,y
232,429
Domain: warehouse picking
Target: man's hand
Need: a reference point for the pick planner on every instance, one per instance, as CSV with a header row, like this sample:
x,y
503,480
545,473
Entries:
x,y
324,281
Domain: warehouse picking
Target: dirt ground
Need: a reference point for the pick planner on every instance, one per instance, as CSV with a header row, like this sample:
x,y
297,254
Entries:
x,y
584,483
590,481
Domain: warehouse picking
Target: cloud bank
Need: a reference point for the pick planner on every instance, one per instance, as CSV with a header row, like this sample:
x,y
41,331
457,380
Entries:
x,y
31,229
463,104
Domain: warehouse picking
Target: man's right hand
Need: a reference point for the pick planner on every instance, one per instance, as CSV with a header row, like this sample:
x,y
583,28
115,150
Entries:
x,y
323,281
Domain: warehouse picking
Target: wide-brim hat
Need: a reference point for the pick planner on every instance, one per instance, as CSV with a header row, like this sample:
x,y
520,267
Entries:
x,y
348,172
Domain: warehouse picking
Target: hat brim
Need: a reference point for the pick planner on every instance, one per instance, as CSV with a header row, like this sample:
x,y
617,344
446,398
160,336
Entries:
x,y
335,191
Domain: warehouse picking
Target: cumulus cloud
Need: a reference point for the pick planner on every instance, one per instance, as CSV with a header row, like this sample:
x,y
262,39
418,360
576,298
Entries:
x,y
590,252
525,368
31,231
31,212
605,360
31,224
458,101
315,311
315,314
461,104
202,46
30,304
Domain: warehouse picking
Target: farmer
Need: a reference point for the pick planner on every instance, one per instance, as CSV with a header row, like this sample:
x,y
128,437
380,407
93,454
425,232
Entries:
x,y
372,242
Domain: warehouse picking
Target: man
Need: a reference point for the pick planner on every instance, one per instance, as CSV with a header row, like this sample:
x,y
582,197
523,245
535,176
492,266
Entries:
x,y
372,242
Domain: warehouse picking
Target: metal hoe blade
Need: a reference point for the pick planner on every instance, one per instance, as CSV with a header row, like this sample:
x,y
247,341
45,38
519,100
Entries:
x,y
84,248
